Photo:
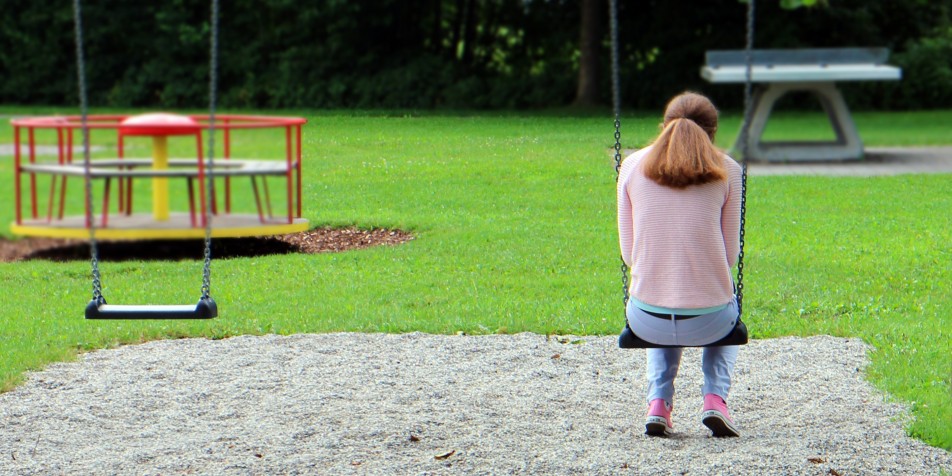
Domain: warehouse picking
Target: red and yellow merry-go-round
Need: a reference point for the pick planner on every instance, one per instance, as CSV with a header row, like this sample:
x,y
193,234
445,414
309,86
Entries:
x,y
157,196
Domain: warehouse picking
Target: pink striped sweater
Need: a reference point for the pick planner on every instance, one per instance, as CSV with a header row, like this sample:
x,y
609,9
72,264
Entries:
x,y
679,243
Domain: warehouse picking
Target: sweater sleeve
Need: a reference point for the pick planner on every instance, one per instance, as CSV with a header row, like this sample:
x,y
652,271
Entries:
x,y
730,213
626,234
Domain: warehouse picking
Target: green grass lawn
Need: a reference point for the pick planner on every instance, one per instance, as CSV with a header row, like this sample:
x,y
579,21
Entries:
x,y
514,217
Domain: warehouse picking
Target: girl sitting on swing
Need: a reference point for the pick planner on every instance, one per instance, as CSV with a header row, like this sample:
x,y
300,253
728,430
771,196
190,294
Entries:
x,y
679,230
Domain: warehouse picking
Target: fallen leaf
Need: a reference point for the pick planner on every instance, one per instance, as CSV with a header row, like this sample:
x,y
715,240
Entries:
x,y
414,438
445,455
816,460
557,356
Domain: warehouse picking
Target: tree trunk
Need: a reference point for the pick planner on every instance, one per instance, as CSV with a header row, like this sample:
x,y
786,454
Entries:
x,y
589,44
456,33
436,35
469,33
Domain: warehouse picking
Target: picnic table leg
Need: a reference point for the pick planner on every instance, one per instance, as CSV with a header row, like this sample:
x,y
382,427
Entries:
x,y
847,145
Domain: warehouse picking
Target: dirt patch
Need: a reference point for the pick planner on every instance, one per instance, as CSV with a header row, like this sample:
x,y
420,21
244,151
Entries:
x,y
318,240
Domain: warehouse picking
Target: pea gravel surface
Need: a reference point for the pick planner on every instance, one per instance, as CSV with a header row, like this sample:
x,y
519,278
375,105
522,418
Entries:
x,y
342,404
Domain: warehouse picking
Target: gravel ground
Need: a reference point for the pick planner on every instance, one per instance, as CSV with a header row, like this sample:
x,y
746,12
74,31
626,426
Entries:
x,y
423,404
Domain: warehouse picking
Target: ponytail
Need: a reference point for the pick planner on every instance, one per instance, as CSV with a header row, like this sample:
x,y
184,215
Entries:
x,y
683,155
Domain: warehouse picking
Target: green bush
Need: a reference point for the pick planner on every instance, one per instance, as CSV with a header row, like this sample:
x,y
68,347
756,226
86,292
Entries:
x,y
927,72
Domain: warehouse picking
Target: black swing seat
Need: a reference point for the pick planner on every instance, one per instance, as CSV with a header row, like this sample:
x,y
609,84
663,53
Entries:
x,y
629,340
205,309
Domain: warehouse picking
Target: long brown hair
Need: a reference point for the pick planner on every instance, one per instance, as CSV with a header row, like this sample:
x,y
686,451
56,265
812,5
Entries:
x,y
684,152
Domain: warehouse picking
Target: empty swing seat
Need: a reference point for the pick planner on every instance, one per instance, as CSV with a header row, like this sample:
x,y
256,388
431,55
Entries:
x,y
205,309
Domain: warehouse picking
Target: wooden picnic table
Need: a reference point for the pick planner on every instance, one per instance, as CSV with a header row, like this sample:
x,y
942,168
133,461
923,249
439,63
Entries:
x,y
778,72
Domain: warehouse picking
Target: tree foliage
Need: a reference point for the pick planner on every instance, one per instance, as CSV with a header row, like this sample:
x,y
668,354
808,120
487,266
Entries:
x,y
441,53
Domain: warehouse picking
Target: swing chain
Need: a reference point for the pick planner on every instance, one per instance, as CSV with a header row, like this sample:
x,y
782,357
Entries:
x,y
745,147
84,108
212,87
617,146
616,106
745,129
616,86
84,112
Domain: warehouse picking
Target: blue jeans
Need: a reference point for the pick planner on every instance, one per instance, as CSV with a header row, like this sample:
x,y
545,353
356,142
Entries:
x,y
699,330
716,362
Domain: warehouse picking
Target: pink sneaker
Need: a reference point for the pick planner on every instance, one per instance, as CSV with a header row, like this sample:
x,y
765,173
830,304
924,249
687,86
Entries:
x,y
716,417
658,421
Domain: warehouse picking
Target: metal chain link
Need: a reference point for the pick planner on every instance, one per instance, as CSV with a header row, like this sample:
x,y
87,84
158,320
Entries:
x,y
745,148
210,172
84,112
616,107
616,86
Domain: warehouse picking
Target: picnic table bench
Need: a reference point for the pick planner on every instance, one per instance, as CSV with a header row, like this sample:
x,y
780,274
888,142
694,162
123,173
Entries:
x,y
778,72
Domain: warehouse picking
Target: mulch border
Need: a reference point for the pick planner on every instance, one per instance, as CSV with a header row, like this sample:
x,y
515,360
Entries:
x,y
318,240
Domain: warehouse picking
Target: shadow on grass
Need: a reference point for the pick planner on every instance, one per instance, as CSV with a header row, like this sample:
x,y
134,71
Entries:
x,y
165,250
318,240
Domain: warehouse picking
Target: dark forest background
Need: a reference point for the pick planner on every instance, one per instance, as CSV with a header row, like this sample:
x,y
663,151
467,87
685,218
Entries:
x,y
473,54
